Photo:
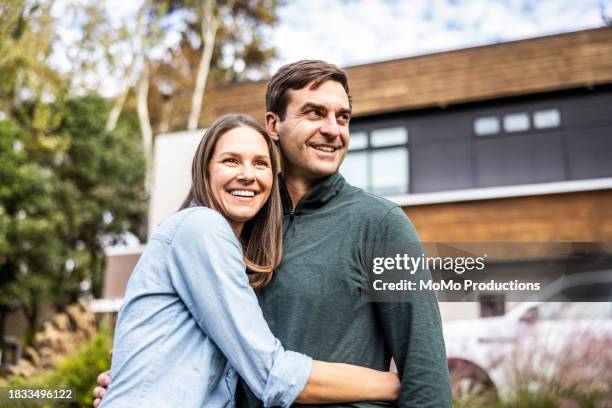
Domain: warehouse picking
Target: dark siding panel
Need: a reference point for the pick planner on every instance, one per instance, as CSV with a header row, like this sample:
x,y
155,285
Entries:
x,y
588,112
519,160
441,167
590,153
443,127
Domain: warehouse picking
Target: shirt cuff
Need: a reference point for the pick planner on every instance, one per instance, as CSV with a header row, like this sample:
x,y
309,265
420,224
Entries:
x,y
287,379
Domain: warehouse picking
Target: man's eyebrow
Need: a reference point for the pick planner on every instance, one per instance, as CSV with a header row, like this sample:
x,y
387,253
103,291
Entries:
x,y
346,111
312,105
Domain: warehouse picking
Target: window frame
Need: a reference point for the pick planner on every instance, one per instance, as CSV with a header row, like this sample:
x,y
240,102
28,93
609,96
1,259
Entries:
x,y
370,127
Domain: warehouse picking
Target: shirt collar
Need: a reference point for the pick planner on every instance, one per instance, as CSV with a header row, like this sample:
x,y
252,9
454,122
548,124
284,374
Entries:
x,y
320,195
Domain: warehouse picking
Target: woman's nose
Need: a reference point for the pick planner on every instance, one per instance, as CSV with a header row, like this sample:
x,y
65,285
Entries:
x,y
246,174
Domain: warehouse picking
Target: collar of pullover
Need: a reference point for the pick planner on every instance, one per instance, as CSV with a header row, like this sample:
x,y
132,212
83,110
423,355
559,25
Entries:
x,y
317,197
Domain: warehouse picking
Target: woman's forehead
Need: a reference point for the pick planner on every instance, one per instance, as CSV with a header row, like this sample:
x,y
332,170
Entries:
x,y
242,140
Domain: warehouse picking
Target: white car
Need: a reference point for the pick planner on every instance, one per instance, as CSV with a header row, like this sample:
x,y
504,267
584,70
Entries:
x,y
567,338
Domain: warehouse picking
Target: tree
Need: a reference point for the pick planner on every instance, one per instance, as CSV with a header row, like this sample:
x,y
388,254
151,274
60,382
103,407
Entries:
x,y
219,39
230,36
102,191
61,204
67,186
26,43
32,252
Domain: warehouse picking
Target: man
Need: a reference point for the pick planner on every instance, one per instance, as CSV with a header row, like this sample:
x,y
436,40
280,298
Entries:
x,y
314,303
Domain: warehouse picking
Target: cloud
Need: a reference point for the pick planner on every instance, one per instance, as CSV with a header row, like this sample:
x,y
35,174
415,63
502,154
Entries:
x,y
351,32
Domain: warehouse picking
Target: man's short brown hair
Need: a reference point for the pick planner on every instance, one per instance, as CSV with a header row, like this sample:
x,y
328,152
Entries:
x,y
296,76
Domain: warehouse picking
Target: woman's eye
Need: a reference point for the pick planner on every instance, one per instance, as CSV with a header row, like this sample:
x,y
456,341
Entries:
x,y
261,163
230,161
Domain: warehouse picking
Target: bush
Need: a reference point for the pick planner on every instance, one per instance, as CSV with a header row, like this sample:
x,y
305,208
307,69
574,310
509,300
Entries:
x,y
78,371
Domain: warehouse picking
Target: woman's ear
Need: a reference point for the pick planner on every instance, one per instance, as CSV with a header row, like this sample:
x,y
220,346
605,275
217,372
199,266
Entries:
x,y
272,125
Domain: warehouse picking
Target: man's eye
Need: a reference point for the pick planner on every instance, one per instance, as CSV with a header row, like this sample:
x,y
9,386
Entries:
x,y
315,112
344,118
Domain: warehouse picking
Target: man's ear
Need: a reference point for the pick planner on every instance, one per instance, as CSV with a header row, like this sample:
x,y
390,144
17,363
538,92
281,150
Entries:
x,y
273,125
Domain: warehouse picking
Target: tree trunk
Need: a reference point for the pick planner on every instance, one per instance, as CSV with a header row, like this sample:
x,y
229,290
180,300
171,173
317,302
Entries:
x,y
31,312
139,52
166,111
4,310
113,116
210,24
146,132
97,272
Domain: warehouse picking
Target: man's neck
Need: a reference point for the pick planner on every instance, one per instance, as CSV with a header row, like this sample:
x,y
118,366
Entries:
x,y
298,187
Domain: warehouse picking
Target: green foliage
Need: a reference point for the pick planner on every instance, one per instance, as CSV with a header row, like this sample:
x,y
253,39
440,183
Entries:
x,y
63,196
32,252
102,174
26,43
78,371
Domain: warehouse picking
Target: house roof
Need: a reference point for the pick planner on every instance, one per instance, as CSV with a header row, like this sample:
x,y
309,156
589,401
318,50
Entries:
x,y
535,65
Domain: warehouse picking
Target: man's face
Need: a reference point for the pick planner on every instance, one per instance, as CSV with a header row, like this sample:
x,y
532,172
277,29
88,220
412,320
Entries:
x,y
314,135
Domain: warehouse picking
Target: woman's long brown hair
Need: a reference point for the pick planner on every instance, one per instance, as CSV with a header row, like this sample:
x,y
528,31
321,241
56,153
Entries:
x,y
261,237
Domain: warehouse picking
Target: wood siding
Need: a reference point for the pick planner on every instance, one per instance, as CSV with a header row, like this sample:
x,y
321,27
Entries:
x,y
543,64
568,217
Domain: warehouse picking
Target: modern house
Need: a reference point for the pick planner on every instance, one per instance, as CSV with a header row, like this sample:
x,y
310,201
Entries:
x,y
510,142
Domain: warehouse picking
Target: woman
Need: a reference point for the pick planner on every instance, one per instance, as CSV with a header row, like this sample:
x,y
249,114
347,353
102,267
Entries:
x,y
191,323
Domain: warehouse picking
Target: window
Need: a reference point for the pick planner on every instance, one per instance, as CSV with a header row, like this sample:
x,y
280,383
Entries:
x,y
381,168
389,171
355,169
545,119
389,137
358,140
487,125
516,122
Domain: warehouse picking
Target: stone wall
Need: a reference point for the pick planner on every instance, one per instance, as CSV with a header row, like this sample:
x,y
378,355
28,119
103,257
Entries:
x,y
60,336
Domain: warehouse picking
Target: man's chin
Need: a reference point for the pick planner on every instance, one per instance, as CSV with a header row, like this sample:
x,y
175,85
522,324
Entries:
x,y
323,172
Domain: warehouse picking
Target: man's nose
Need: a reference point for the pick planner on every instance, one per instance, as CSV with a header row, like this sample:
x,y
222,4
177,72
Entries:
x,y
330,127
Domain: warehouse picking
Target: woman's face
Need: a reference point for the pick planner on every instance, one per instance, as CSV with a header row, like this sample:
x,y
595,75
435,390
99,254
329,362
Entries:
x,y
240,174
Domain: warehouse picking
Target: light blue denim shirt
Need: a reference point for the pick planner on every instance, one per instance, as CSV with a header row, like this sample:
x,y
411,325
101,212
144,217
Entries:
x,y
190,324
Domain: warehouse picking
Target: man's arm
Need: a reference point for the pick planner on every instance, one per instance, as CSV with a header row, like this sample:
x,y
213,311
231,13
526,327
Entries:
x,y
412,327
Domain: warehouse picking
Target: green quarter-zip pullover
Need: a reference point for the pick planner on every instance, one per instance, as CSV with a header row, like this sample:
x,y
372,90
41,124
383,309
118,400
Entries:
x,y
314,303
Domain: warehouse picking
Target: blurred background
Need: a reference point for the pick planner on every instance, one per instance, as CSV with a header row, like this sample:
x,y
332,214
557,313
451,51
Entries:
x,y
487,121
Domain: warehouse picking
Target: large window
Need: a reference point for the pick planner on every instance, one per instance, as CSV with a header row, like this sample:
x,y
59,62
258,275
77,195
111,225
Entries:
x,y
377,160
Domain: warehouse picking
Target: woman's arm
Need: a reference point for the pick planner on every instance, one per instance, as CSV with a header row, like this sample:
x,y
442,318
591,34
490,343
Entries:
x,y
336,383
328,383
206,268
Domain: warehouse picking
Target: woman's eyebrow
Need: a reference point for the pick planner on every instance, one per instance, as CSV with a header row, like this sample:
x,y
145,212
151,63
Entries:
x,y
261,156
255,157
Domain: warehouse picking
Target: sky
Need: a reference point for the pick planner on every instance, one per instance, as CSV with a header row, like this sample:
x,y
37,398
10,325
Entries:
x,y
353,32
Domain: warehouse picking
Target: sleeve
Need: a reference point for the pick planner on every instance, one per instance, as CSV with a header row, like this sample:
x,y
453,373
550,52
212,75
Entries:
x,y
207,270
412,327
